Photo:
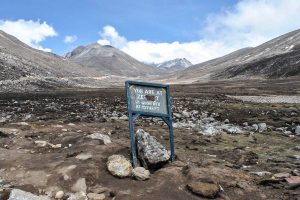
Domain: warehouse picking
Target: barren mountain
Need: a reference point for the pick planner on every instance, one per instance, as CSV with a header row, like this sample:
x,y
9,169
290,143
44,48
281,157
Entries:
x,y
174,65
24,68
109,60
276,58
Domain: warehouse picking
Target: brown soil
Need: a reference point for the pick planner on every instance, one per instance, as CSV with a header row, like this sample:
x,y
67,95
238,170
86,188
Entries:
x,y
226,160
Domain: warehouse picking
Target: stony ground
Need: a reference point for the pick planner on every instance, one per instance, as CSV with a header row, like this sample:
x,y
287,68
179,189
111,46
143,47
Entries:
x,y
241,149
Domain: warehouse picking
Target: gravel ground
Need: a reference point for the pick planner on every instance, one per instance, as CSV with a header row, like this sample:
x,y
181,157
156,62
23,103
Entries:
x,y
269,99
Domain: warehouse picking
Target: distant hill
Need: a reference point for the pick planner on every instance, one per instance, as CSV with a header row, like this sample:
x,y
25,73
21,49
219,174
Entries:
x,y
277,58
110,61
174,65
24,68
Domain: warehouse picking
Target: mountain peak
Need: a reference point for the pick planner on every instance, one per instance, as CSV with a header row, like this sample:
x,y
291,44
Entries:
x,y
110,60
174,65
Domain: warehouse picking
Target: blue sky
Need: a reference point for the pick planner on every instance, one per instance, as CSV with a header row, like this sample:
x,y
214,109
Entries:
x,y
149,30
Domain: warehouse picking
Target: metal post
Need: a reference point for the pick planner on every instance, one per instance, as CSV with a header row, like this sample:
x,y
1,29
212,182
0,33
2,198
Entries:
x,y
171,137
132,140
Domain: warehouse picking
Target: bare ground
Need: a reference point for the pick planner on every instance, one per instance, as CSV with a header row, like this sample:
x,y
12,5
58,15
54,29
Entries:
x,y
67,117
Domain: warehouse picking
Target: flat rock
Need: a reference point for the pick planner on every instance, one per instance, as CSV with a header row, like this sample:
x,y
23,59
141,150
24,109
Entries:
x,y
119,166
95,196
98,189
41,143
98,136
84,156
79,186
262,173
150,151
293,180
77,196
207,190
17,194
140,173
282,175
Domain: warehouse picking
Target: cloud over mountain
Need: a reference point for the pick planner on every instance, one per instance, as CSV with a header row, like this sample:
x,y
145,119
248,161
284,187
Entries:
x,y
247,23
30,32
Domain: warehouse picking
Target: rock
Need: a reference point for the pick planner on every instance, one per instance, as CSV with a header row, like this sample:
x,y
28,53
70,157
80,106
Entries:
x,y
226,121
297,157
177,115
207,190
150,151
55,146
17,194
297,130
208,120
6,132
287,133
119,166
98,189
124,117
245,124
59,195
84,156
186,113
297,148
140,173
293,180
262,127
2,119
232,129
281,175
79,186
262,173
41,143
21,123
209,130
95,196
77,196
124,192
98,136
254,127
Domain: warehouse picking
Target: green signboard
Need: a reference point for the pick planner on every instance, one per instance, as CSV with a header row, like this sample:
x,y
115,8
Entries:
x,y
148,99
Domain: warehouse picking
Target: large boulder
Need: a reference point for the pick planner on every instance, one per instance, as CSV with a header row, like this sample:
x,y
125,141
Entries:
x,y
119,166
151,153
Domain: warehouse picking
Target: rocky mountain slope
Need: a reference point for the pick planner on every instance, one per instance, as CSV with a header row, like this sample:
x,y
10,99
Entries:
x,y
276,58
174,65
110,61
24,68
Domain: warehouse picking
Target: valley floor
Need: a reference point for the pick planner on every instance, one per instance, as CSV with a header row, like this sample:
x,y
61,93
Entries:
x,y
244,165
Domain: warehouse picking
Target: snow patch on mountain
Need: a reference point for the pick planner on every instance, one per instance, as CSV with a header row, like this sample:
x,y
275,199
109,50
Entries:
x,y
175,65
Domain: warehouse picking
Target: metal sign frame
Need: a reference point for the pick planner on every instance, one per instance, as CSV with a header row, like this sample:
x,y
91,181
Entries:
x,y
134,115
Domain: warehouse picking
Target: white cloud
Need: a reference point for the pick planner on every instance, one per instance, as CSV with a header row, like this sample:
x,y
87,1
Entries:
x,y
109,36
252,22
70,39
247,23
29,32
